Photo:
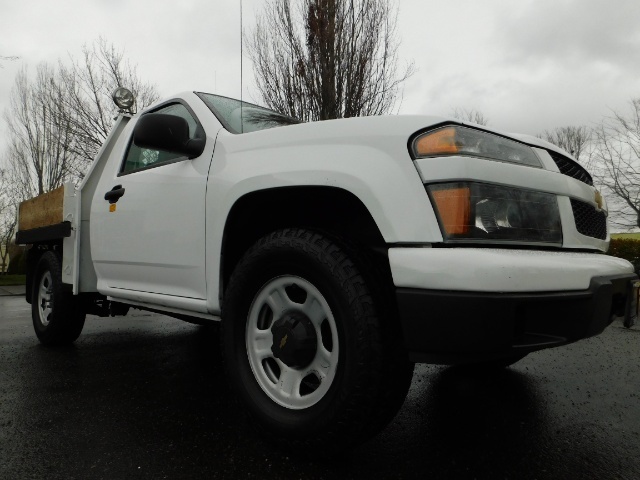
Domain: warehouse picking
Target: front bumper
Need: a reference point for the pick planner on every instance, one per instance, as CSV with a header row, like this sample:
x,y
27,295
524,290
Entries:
x,y
540,305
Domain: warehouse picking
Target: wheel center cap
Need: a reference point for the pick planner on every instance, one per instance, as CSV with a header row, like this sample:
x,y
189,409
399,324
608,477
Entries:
x,y
295,341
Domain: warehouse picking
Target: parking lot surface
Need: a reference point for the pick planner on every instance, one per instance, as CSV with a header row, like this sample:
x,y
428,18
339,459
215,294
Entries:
x,y
144,396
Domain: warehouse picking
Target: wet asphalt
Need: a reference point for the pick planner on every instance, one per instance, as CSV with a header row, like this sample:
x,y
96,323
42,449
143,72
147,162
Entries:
x,y
144,396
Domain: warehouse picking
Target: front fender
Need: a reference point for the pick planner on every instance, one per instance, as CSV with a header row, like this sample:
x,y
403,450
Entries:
x,y
382,177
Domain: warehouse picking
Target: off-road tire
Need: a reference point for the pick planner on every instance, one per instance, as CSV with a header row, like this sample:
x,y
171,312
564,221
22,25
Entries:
x,y
57,315
371,376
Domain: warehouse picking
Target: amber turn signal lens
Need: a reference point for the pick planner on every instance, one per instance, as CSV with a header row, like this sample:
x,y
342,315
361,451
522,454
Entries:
x,y
454,207
440,142
456,140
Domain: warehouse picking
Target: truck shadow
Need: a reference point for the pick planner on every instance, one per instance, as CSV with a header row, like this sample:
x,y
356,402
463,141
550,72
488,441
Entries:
x,y
152,399
462,422
467,423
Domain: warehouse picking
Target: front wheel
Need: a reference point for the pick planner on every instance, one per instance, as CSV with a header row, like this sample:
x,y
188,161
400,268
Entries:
x,y
56,314
306,346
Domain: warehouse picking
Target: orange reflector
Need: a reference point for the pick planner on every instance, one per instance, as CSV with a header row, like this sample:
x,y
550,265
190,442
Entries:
x,y
112,207
454,207
440,142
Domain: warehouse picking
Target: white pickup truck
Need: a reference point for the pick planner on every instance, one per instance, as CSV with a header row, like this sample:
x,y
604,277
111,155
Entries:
x,y
336,254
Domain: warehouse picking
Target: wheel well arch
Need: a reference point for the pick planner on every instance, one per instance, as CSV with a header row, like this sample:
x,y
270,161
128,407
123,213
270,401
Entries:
x,y
331,210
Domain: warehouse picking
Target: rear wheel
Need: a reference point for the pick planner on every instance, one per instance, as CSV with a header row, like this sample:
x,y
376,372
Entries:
x,y
305,344
56,314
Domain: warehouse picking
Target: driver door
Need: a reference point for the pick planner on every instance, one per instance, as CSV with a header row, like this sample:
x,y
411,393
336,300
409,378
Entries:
x,y
150,241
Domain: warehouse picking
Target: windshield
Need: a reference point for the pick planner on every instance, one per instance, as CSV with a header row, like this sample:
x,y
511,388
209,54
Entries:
x,y
243,117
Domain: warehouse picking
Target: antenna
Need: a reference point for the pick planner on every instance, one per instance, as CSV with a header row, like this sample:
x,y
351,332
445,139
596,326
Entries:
x,y
241,117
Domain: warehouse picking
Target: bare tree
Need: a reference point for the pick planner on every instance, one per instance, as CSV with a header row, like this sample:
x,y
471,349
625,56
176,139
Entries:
x,y
574,140
58,121
40,156
473,115
617,160
89,83
323,59
7,221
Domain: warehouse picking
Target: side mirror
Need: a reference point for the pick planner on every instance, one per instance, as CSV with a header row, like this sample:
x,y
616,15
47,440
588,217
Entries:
x,y
169,133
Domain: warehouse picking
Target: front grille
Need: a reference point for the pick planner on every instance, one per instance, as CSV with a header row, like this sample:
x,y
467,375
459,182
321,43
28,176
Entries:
x,y
570,168
589,221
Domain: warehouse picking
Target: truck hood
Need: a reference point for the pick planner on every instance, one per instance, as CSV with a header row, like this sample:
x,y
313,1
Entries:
x,y
359,130
396,129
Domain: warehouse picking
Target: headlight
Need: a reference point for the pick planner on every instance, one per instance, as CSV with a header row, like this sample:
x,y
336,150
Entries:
x,y
455,140
470,211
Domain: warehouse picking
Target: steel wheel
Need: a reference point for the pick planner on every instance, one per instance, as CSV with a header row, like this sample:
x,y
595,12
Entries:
x,y
292,342
45,301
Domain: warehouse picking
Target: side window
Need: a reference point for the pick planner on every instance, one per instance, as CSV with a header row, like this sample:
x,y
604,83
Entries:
x,y
138,158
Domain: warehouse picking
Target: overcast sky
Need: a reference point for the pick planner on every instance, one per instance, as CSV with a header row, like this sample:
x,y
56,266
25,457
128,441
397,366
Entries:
x,y
527,65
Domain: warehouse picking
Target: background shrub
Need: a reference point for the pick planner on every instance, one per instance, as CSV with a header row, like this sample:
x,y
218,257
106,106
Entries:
x,y
626,248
